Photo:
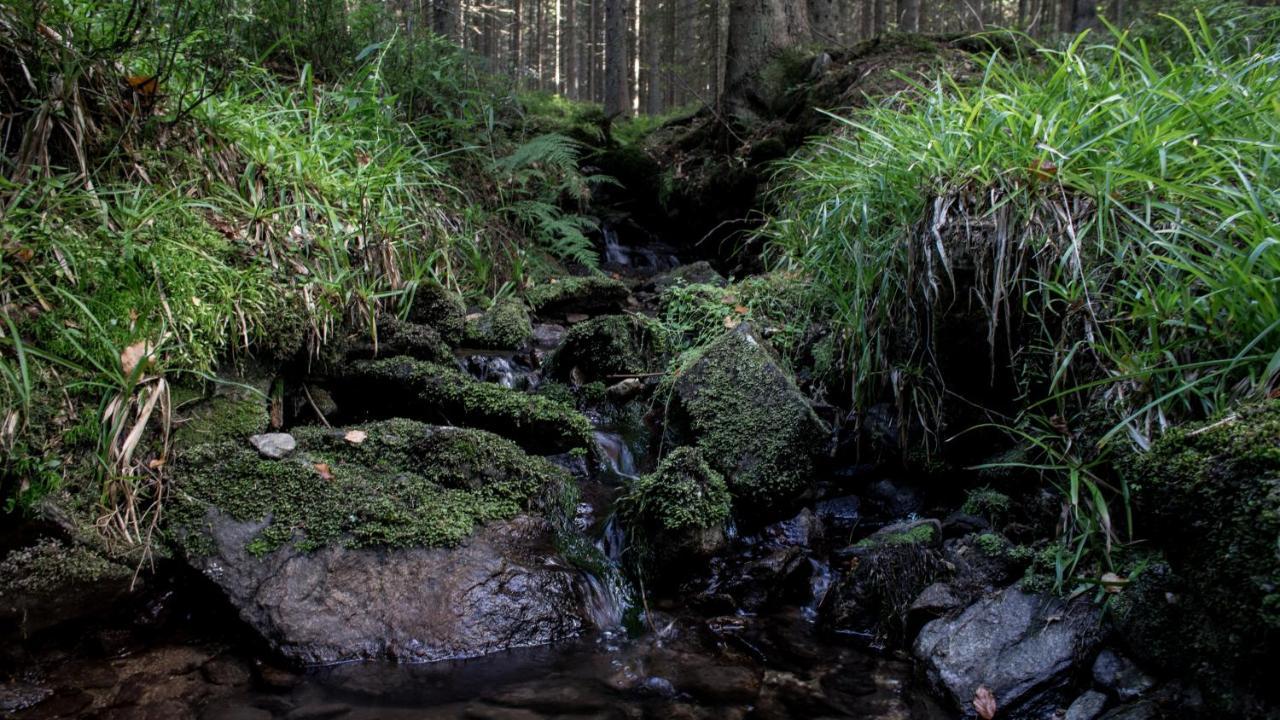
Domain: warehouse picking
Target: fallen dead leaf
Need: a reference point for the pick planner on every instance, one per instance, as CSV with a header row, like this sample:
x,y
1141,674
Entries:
x,y
133,355
1113,583
741,309
984,702
323,469
731,322
355,437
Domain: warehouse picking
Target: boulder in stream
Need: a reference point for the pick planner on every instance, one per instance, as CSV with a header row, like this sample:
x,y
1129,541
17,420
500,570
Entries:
x,y
441,308
590,294
504,325
608,347
882,577
735,401
682,507
403,541
1022,647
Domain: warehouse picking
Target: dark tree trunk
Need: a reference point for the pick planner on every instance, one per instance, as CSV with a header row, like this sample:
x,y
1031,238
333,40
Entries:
x,y
909,15
824,19
651,28
615,58
758,31
1084,15
716,54
448,19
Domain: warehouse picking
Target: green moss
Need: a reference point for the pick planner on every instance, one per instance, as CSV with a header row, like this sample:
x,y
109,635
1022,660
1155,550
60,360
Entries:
x,y
577,294
398,337
746,414
1041,576
442,309
683,493
232,416
921,533
610,346
415,388
406,485
992,545
504,326
1210,494
52,565
986,503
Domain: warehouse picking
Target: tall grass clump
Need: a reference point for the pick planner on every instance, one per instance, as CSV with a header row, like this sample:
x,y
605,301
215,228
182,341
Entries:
x,y
1110,211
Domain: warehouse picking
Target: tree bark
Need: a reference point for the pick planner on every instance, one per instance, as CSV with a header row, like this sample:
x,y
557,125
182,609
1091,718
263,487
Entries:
x,y
758,31
824,19
909,15
447,19
867,19
881,16
1084,15
651,27
615,58
570,40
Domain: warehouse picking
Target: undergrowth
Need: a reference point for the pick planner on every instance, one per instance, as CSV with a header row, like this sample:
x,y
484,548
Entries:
x,y
1108,209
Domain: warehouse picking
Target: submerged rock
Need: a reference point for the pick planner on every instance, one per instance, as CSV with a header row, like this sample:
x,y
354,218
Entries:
x,y
403,387
1017,645
406,542
681,507
737,403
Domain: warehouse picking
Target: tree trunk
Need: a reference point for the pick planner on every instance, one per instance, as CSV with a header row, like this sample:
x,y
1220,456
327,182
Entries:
x,y
909,15
881,16
867,20
570,39
650,55
758,31
447,19
1084,15
1066,9
716,53
824,19
514,48
615,58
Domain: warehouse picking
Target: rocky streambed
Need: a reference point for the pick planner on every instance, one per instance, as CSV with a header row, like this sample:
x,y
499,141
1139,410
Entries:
x,y
552,508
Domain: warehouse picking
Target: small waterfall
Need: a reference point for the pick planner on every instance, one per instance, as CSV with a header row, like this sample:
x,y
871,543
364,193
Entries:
x,y
616,454
497,369
819,583
614,253
607,591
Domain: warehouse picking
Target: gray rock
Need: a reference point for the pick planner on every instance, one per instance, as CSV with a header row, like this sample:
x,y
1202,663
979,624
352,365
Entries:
x,y
1145,710
20,696
1017,644
936,599
1086,707
841,513
1121,676
491,593
273,446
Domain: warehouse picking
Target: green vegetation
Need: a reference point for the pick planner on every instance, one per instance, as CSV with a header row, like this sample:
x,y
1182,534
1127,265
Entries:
x,y
610,346
577,294
406,484
1108,209
684,493
189,185
415,388
504,325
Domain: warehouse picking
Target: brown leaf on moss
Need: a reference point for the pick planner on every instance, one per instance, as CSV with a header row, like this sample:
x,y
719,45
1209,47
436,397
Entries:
x,y
323,469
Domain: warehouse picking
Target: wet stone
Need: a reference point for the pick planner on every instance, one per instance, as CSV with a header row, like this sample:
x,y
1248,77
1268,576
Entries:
x,y
1086,707
324,711
20,696
1120,675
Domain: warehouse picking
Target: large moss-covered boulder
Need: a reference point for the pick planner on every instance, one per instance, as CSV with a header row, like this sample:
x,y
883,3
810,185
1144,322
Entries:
x,y
609,347
391,540
404,387
1209,494
441,308
591,294
680,509
504,325
736,402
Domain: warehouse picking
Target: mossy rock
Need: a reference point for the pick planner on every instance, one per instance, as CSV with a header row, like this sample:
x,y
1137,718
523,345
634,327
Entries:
x,y
504,326
405,484
399,337
591,294
696,273
737,403
237,410
441,308
609,346
1210,495
404,387
52,582
676,514
684,493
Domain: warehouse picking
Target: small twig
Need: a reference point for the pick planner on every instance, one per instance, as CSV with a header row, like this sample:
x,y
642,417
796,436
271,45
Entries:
x,y
307,391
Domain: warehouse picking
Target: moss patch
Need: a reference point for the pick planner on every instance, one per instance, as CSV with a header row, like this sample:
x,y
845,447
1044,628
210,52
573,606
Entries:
x,y
683,493
404,387
407,485
51,565
921,533
442,309
399,337
1211,493
232,416
745,413
504,326
610,346
984,502
577,294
